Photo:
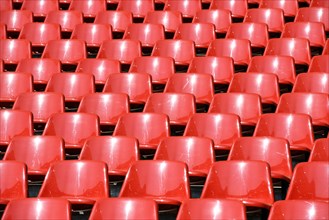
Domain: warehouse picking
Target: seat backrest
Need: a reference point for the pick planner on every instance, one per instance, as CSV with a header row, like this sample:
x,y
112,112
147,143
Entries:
x,y
320,151
119,20
15,19
238,8
221,18
65,18
187,8
14,50
40,8
88,9
138,8
312,82
314,14
319,64
93,34
169,19
289,7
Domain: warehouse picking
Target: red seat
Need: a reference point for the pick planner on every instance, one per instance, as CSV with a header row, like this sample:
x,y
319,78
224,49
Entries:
x,y
14,50
93,34
66,19
319,64
289,7
147,34
13,181
197,84
238,8
6,5
315,105
309,182
88,8
211,209
138,8
319,3
37,152
221,18
312,82
1,66
119,20
123,50
178,106
320,151
274,151
136,85
169,19
188,8
225,178
273,17
182,51
124,208
3,32
287,47
73,127
326,48
299,209
312,31
67,51
256,33
108,106
40,8
118,152
246,105
296,128
38,208
74,86
15,19
223,129
78,181
314,14
263,84
228,47
198,153
166,182
282,66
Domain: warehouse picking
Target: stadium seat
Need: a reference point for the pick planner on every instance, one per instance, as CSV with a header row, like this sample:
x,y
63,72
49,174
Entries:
x,y
119,20
225,178
73,127
88,8
197,152
13,180
139,9
136,85
37,152
315,105
78,181
14,50
312,82
296,128
299,209
68,51
118,152
188,8
319,64
287,47
246,105
309,182
263,84
282,66
124,208
166,182
3,31
15,19
169,19
211,209
38,208
314,14
228,47
238,8
289,7
319,3
108,106
66,19
320,150
6,5
123,50
326,48
274,151
40,8
223,129
178,106
1,66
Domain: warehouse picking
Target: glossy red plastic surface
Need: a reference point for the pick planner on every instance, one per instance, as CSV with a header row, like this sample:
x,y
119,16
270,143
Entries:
x,y
314,14
14,50
319,64
138,8
89,8
93,34
238,8
40,8
3,32
66,19
119,20
15,19
320,151
221,18
319,3
312,82
289,7
326,48
169,19
6,5
188,8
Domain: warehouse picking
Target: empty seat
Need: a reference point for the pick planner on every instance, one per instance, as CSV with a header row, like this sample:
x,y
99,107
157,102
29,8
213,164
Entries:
x,y
238,8
166,182
273,17
320,151
108,106
6,5
319,3
14,50
67,51
123,50
15,19
169,19
41,104
256,33
199,85
315,105
319,64
13,180
118,152
299,209
309,182
228,47
119,20
246,105
178,106
78,181
37,152
124,208
264,84
289,7
223,129
40,8
225,177
287,47
314,14
274,151
66,19
138,8
296,128
88,8
136,85
73,127
188,8
312,82
211,209
196,152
